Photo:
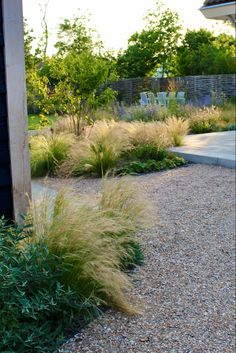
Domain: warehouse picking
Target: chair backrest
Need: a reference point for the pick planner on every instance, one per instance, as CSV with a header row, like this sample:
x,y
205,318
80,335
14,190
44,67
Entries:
x,y
163,94
151,97
180,94
161,98
144,98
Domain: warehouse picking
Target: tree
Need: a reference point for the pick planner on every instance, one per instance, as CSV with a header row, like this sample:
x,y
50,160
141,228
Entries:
x,y
153,47
202,53
78,77
76,35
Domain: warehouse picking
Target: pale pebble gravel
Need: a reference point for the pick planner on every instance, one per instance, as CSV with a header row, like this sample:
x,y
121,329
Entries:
x,y
186,289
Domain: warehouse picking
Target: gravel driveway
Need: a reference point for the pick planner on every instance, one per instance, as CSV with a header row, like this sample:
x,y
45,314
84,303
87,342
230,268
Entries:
x,y
186,289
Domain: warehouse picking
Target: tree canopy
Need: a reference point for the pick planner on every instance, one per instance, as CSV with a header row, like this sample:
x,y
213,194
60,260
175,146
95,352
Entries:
x,y
153,47
203,53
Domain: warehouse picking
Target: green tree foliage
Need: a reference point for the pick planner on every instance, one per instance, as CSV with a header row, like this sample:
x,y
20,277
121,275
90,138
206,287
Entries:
x,y
202,53
78,78
76,35
67,82
153,47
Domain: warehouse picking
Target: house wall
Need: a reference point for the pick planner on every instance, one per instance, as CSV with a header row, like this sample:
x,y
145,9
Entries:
x,y
6,197
14,161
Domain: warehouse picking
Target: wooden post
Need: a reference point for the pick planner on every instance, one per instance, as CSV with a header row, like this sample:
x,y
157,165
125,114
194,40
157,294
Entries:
x,y
16,111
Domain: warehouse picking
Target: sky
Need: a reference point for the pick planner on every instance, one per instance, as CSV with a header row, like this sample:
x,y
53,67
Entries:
x,y
115,20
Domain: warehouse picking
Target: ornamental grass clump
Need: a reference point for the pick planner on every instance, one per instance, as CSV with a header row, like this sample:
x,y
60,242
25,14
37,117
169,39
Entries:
x,y
92,240
176,129
205,120
98,150
47,152
142,133
66,265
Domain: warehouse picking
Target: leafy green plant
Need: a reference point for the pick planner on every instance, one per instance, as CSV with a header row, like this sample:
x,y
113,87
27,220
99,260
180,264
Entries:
x,y
37,310
48,152
204,126
138,167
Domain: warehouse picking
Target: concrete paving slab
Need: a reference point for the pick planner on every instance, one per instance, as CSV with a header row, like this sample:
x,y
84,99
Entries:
x,y
216,148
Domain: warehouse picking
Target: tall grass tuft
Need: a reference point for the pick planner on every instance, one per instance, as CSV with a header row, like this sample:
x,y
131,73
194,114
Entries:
x,y
153,133
98,150
91,241
48,152
205,120
176,129
120,199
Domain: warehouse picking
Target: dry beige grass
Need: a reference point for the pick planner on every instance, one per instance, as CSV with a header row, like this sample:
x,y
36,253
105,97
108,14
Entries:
x,y
89,239
98,149
176,129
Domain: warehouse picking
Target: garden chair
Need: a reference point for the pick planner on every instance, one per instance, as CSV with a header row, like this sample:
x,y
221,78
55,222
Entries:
x,y
162,98
144,100
180,97
171,97
151,97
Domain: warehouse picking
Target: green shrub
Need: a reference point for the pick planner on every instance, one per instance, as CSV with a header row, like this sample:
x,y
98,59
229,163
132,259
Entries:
x,y
138,167
48,152
37,310
204,126
231,127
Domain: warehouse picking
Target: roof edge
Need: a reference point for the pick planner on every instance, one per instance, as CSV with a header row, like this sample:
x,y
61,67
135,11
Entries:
x,y
217,5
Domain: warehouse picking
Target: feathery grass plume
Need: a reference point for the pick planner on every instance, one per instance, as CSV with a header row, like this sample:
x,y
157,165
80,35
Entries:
x,y
47,153
205,120
105,114
98,150
142,133
66,124
78,235
176,129
119,198
228,113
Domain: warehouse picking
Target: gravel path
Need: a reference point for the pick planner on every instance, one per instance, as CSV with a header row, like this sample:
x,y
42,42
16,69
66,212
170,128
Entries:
x,y
186,288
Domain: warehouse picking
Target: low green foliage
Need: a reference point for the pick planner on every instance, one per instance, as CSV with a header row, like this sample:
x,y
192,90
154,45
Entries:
x,y
137,167
148,158
204,126
37,310
145,152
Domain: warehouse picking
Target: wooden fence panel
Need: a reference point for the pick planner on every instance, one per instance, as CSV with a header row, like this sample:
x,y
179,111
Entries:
x,y
197,88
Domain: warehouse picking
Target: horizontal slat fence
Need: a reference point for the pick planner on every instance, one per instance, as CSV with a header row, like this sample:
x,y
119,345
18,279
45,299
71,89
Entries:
x,y
197,88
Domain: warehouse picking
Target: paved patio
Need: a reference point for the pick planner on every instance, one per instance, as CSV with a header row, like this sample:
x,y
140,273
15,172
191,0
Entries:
x,y
216,148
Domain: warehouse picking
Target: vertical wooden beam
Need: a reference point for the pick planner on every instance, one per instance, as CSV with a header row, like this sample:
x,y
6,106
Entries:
x,y
16,104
